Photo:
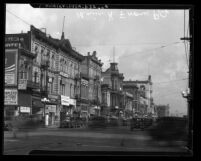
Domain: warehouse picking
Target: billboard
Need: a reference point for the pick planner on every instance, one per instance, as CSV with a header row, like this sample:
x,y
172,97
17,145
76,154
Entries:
x,y
10,97
11,66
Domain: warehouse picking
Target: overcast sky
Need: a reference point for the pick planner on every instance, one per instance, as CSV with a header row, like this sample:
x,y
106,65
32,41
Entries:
x,y
143,42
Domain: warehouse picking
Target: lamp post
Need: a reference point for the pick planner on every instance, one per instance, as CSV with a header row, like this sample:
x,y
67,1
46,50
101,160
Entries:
x,y
45,100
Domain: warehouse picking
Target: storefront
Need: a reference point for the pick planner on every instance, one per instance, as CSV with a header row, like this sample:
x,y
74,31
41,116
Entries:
x,y
68,105
53,109
50,110
37,108
10,103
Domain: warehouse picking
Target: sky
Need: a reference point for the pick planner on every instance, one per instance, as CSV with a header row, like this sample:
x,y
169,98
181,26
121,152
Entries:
x,y
142,42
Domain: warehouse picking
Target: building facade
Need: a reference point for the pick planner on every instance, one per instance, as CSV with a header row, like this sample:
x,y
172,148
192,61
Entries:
x,y
142,92
41,76
18,75
91,68
114,79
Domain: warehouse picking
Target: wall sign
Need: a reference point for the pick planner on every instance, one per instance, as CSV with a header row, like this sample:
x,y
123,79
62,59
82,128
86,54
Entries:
x,y
22,84
10,97
65,100
25,109
11,67
17,41
64,74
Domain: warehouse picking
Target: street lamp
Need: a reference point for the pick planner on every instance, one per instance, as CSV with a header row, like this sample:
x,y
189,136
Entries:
x,y
45,100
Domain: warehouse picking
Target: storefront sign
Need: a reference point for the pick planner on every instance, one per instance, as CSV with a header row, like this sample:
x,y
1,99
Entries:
x,y
65,100
128,94
10,97
73,102
64,74
22,84
25,109
53,98
11,67
50,108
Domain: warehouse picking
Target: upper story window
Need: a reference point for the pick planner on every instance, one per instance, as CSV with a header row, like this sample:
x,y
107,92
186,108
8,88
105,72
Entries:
x,y
53,61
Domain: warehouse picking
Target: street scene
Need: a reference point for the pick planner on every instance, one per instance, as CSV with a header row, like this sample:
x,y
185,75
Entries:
x,y
95,80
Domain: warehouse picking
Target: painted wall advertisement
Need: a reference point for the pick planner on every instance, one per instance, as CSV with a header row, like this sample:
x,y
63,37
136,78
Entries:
x,y
17,40
10,97
11,67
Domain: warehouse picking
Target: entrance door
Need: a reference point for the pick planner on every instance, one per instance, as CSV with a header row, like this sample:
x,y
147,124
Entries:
x,y
51,118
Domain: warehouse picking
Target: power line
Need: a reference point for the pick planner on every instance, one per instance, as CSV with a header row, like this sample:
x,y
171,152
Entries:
x,y
171,81
19,18
153,49
121,44
173,93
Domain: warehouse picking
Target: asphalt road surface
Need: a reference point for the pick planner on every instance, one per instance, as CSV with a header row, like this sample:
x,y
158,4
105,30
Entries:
x,y
81,139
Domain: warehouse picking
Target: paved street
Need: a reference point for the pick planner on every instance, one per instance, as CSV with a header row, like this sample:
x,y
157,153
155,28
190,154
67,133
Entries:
x,y
118,139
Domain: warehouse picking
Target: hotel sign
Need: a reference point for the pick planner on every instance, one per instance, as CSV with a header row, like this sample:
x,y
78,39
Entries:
x,y
10,97
17,41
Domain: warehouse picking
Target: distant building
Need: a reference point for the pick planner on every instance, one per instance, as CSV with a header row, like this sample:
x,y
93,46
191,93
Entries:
x,y
114,79
131,87
163,110
18,75
142,92
91,68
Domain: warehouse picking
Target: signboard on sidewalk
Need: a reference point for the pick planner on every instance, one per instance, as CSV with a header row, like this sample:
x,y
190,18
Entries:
x,y
10,97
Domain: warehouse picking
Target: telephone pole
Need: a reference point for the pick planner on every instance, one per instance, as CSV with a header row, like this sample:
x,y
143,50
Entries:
x,y
189,90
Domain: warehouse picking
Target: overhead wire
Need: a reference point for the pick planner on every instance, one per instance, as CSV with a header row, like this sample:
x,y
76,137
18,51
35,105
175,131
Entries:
x,y
18,17
171,81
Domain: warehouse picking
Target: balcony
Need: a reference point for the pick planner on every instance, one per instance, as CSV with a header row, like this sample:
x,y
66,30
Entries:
x,y
45,64
23,84
32,85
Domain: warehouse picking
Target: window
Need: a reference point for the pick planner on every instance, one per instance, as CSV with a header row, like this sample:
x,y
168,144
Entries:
x,y
23,75
35,76
53,61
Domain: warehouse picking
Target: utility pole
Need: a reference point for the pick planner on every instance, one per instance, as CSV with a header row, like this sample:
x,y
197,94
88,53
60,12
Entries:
x,y
189,93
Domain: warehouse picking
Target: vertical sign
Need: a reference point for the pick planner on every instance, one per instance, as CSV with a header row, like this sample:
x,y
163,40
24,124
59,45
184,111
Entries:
x,y
11,67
